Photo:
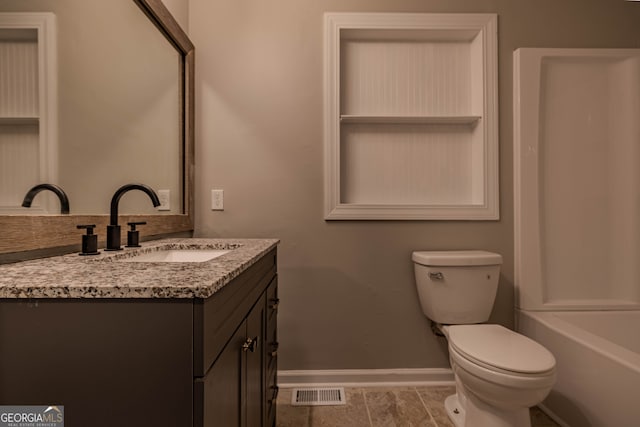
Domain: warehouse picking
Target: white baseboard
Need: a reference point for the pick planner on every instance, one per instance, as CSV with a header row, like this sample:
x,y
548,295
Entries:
x,y
366,378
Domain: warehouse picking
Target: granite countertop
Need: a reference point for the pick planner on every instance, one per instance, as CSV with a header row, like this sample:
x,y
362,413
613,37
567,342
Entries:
x,y
106,276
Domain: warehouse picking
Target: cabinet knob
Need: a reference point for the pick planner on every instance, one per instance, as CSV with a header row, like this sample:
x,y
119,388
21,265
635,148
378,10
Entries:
x,y
274,303
251,344
274,347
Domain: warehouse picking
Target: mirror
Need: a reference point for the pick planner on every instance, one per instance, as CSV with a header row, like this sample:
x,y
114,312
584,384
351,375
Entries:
x,y
142,134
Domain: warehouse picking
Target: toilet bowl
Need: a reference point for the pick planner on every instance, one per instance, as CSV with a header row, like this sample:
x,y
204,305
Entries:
x,y
502,374
499,373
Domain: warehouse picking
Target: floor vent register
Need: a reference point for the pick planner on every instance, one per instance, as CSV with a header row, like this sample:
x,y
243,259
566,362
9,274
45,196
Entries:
x,y
318,396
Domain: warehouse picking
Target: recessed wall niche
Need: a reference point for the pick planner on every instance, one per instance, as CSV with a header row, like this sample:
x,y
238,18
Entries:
x,y
411,116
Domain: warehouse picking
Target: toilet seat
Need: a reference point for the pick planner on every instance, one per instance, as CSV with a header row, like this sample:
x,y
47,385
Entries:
x,y
499,349
514,380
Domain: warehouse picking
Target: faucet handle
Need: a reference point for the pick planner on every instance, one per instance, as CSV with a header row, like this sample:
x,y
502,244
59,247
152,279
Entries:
x,y
89,240
133,235
133,224
88,227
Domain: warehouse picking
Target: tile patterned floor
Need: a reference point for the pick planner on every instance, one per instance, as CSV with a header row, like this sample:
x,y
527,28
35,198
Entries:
x,y
378,407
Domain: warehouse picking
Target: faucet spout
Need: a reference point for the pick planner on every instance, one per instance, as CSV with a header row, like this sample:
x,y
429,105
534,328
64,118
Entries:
x,y
113,229
64,200
128,187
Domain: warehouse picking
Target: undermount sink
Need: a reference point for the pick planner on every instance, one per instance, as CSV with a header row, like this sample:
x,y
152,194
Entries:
x,y
177,255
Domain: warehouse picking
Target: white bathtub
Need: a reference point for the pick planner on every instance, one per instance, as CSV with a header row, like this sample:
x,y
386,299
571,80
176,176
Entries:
x,y
598,365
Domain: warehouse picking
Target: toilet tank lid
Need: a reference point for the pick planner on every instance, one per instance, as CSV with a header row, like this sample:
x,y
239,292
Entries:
x,y
453,258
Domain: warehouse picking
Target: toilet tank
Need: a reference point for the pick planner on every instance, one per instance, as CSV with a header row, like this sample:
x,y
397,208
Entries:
x,y
457,287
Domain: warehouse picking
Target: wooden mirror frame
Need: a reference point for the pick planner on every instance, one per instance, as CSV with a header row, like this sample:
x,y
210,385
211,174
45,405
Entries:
x,y
33,236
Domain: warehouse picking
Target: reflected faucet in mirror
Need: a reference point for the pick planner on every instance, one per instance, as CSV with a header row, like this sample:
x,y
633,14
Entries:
x,y
113,229
64,200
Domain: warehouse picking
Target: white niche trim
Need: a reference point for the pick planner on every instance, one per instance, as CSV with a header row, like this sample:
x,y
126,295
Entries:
x,y
411,116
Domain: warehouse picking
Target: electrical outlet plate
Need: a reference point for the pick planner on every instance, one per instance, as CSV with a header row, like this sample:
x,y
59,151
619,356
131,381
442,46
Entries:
x,y
217,200
165,200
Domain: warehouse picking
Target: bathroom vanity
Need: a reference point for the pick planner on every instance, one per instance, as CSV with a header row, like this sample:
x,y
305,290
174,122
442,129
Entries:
x,y
131,342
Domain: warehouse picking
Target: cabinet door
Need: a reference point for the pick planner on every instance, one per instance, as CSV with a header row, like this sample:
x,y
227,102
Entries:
x,y
232,392
219,394
255,361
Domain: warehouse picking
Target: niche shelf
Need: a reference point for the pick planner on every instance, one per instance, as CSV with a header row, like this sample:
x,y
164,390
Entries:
x,y
411,116
433,120
19,120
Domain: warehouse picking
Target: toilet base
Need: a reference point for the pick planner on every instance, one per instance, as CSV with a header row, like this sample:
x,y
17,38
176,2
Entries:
x,y
478,414
455,410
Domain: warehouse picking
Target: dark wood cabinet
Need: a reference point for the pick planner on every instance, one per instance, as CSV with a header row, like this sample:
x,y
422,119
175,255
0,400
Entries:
x,y
161,362
232,386
232,391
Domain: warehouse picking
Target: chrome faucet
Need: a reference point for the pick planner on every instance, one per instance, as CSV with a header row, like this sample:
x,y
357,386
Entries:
x,y
113,229
64,200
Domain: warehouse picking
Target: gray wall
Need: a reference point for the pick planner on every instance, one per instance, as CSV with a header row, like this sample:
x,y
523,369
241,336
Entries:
x,y
347,288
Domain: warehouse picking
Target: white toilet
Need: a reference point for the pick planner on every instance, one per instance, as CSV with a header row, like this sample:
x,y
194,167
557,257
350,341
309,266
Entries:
x,y
499,373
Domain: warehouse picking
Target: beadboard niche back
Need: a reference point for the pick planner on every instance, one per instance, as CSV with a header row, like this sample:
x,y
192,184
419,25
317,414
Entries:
x,y
411,116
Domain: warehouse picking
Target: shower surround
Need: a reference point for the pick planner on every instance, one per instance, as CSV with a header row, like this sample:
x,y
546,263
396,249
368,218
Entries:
x,y
577,225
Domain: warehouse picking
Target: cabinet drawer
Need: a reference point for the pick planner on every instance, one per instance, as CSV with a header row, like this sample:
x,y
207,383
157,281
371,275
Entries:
x,y
216,318
272,339
273,302
272,355
272,327
271,392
